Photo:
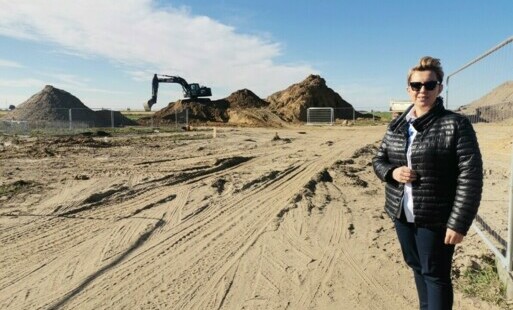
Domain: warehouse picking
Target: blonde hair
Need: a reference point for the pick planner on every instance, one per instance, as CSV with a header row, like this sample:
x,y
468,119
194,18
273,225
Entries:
x,y
428,63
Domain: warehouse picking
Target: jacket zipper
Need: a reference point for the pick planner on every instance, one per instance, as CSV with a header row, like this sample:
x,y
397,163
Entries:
x,y
401,203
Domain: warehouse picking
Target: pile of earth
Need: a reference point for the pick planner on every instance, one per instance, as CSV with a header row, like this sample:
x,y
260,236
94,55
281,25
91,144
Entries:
x,y
243,107
246,108
198,110
53,105
292,103
495,106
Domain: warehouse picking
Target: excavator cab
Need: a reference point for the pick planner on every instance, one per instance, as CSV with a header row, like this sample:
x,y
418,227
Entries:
x,y
194,88
195,91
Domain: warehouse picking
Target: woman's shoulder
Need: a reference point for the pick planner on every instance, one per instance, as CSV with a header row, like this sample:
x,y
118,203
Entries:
x,y
449,115
455,120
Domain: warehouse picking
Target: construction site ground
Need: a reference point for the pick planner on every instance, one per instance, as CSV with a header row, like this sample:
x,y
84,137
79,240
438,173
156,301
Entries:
x,y
255,218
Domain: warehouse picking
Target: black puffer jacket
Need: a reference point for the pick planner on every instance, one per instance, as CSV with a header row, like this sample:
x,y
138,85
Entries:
x,y
447,160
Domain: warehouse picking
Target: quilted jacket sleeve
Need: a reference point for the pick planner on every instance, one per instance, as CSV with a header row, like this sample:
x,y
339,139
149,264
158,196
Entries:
x,y
469,181
382,166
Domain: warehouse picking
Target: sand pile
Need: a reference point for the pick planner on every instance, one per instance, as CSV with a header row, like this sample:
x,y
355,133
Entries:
x,y
53,105
242,107
495,106
246,108
245,98
198,111
292,103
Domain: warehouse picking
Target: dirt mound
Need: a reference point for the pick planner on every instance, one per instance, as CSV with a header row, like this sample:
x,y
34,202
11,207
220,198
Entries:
x,y
198,111
53,105
245,98
246,108
257,117
292,103
242,107
495,106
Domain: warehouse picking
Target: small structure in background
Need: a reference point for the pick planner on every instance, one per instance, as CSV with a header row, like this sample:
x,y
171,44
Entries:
x,y
397,107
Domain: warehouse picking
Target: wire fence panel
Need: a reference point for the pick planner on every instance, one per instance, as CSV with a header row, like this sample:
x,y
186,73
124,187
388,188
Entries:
x,y
482,90
66,121
321,116
177,119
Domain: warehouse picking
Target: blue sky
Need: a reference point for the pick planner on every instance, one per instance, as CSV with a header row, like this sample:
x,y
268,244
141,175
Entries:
x,y
105,52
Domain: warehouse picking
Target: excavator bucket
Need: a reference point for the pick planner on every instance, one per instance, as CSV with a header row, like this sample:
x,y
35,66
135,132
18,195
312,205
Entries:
x,y
147,105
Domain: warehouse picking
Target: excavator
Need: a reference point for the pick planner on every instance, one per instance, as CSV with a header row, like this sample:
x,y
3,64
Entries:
x,y
192,91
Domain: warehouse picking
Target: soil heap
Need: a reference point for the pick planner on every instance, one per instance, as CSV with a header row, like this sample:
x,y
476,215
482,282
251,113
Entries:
x,y
199,110
53,105
246,108
245,98
292,103
242,107
495,106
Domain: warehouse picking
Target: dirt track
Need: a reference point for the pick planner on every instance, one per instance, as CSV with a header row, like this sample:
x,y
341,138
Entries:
x,y
236,222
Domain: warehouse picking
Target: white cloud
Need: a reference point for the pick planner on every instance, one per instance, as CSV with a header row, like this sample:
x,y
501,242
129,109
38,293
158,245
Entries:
x,y
9,64
147,38
22,83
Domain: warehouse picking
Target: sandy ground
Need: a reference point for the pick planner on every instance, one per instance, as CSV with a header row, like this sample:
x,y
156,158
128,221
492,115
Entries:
x,y
236,222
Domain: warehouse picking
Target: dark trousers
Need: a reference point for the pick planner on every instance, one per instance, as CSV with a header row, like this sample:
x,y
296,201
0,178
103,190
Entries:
x,y
425,252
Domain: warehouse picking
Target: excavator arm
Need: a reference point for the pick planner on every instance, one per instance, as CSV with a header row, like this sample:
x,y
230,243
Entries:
x,y
192,91
164,79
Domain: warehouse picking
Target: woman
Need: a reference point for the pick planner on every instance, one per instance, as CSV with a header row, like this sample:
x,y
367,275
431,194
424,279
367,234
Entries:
x,y
432,166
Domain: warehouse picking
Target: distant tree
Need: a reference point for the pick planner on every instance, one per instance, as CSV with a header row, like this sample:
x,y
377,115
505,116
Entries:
x,y
12,107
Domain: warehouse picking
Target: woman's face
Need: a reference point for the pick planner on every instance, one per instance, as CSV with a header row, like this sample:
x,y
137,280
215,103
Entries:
x,y
423,98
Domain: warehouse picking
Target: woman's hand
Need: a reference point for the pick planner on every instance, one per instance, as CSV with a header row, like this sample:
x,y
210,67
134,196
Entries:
x,y
453,237
404,175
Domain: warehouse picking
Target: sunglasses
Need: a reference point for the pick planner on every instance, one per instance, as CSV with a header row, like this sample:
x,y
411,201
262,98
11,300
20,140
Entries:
x,y
430,85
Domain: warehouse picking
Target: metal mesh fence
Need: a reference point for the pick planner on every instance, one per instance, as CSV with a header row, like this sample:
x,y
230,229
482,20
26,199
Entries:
x,y
482,90
175,120
63,121
322,116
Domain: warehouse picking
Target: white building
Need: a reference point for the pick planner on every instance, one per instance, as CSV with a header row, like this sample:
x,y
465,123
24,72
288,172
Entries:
x,y
397,107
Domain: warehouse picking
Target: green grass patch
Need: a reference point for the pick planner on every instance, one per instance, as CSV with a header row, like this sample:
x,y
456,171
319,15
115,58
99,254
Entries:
x,y
481,280
135,115
384,116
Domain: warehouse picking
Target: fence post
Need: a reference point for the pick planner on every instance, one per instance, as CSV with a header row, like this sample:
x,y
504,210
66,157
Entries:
x,y
509,248
372,112
176,119
354,115
70,120
112,118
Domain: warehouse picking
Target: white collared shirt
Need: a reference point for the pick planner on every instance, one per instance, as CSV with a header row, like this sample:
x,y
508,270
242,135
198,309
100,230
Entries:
x,y
408,195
